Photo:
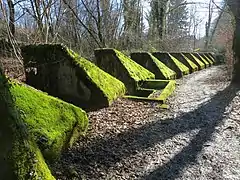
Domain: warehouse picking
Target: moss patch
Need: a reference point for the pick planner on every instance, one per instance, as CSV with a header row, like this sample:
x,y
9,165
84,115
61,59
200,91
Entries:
x,y
211,56
20,157
172,63
181,66
151,63
158,92
111,87
53,123
63,73
167,72
136,71
193,65
183,59
208,59
206,63
193,58
122,67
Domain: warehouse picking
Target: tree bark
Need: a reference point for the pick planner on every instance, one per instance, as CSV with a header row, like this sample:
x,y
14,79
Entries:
x,y
11,17
235,8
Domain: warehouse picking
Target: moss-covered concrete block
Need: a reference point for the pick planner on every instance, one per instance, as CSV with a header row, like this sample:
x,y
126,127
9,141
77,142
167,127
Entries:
x,y
63,73
122,67
207,58
186,61
154,90
206,63
20,157
172,63
53,123
210,57
195,60
151,63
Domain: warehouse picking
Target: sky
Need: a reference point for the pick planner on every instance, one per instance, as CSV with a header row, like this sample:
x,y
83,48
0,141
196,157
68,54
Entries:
x,y
201,13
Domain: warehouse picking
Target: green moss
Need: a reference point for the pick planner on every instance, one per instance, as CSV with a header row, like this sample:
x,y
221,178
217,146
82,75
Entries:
x,y
65,74
204,60
20,157
202,65
194,66
184,69
209,60
166,71
53,123
111,87
162,87
136,71
167,91
210,55
29,162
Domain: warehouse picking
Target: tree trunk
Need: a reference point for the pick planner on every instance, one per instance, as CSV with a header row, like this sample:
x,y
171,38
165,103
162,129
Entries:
x,y
236,47
235,8
11,17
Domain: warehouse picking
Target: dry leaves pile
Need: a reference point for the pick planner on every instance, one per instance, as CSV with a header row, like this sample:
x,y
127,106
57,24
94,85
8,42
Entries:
x,y
120,116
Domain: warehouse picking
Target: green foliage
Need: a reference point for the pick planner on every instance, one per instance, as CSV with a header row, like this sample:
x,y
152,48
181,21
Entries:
x,y
178,19
136,71
53,123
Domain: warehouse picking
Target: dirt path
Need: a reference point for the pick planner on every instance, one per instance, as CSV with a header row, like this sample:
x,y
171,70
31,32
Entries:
x,y
197,138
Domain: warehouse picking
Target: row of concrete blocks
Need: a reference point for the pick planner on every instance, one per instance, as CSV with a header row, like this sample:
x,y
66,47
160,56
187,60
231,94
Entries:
x,y
191,61
181,63
164,65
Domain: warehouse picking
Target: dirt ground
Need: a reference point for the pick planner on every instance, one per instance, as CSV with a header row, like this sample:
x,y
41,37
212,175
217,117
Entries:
x,y
198,137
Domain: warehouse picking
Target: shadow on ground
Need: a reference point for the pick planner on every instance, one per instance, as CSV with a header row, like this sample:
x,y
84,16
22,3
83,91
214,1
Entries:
x,y
105,153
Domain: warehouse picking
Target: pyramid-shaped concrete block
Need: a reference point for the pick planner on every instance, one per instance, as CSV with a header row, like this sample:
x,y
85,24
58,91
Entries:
x,y
204,55
122,67
211,57
63,73
172,63
20,157
195,60
53,123
204,61
187,62
151,63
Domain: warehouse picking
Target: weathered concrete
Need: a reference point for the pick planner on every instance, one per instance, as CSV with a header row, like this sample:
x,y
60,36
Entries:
x,y
206,63
60,72
203,55
187,62
122,67
195,60
20,157
211,57
150,62
172,63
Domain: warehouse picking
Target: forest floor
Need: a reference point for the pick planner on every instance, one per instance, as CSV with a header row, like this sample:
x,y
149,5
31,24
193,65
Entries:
x,y
198,137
